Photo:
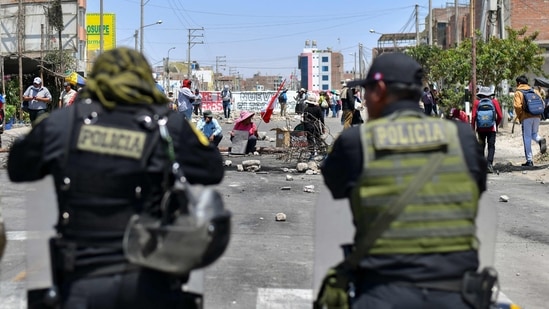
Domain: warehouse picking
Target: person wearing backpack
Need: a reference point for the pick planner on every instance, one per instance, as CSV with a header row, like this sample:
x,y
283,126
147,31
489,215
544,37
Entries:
x,y
486,115
527,104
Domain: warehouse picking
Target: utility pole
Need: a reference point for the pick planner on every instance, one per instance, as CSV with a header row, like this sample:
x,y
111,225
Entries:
x,y
417,24
430,22
220,61
361,68
20,30
456,14
473,52
191,43
136,35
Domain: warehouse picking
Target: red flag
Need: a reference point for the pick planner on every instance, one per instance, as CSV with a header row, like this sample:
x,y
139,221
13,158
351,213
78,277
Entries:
x,y
266,115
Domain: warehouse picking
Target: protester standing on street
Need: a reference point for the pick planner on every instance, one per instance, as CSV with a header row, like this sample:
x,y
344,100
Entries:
x,y
529,122
428,173
283,101
347,105
227,98
197,104
335,103
66,96
313,124
109,158
38,98
185,99
300,99
428,101
486,115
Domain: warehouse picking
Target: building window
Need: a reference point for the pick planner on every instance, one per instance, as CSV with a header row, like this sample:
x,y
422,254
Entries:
x,y
325,68
325,87
325,77
325,59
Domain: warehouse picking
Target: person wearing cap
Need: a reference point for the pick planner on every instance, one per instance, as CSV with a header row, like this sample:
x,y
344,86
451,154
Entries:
x,y
197,104
172,101
530,123
413,183
283,101
486,133
300,99
38,98
245,123
210,127
110,160
227,101
66,95
347,105
313,124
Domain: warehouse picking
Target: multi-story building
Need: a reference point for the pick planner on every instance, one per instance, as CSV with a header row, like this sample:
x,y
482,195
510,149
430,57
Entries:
x,y
27,36
321,70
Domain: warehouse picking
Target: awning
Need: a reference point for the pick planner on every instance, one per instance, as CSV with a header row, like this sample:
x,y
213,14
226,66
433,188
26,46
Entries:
x,y
75,79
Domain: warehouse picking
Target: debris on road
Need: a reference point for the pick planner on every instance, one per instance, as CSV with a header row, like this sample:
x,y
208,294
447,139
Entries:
x,y
309,188
504,198
280,216
289,178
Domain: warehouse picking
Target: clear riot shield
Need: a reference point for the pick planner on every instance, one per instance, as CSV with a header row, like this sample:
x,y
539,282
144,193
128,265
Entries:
x,y
41,209
334,227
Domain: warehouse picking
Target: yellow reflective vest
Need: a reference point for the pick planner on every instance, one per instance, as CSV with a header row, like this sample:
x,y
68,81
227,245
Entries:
x,y
440,216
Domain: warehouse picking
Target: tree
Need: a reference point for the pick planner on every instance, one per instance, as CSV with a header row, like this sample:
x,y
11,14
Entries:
x,y
497,60
426,56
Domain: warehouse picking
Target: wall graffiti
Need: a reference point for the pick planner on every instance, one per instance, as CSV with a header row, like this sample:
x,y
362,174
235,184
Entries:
x,y
253,101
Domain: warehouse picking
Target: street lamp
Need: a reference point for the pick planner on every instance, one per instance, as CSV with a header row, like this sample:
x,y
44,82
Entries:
x,y
168,68
158,22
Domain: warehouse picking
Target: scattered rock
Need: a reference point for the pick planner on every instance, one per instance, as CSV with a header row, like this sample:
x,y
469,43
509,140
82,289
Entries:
x,y
251,165
311,172
504,198
247,163
285,188
256,153
253,168
312,165
280,216
309,188
228,163
289,178
302,167
260,218
240,168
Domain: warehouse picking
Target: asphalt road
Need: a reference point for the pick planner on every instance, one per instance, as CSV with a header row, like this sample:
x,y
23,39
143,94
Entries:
x,y
270,264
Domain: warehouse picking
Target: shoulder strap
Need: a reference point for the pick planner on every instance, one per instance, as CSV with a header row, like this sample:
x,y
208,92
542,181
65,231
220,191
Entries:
x,y
395,208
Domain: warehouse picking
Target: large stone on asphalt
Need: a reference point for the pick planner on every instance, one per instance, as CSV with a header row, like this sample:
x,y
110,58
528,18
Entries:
x,y
302,167
280,216
312,165
251,165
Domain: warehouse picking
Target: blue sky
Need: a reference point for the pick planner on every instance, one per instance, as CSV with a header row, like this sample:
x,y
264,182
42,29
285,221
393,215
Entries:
x,y
257,35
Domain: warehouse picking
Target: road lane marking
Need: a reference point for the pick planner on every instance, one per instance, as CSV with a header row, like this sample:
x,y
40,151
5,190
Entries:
x,y
284,298
24,235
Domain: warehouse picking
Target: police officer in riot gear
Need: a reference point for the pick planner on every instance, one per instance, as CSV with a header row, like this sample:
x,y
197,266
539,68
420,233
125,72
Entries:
x,y
109,162
414,183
